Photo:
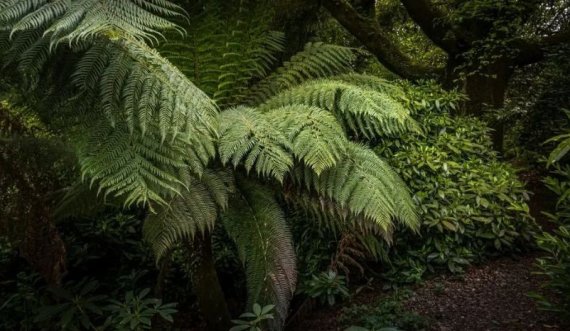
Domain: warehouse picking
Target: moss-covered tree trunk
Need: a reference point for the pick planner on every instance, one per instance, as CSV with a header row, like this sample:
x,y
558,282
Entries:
x,y
211,300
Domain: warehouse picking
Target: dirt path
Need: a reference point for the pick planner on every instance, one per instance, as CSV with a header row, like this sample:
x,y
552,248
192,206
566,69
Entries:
x,y
491,297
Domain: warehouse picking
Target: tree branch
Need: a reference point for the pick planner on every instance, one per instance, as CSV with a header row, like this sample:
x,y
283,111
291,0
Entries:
x,y
432,23
369,33
529,52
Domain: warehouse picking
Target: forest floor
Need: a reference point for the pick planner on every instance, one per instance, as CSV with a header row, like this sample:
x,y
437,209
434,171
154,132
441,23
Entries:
x,y
493,296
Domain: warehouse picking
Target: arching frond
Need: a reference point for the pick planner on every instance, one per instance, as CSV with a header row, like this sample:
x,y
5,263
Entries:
x,y
257,225
317,60
227,45
248,138
370,82
316,137
191,213
327,214
71,21
133,83
361,110
366,186
133,166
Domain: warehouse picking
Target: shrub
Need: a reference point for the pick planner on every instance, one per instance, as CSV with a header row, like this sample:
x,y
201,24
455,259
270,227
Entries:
x,y
327,287
472,205
386,314
252,321
556,264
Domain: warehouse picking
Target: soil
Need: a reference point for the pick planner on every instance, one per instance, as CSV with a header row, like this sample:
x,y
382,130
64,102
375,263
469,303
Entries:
x,y
489,297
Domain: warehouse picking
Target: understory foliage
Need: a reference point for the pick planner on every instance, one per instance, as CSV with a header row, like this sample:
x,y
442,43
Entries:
x,y
556,264
472,205
107,287
198,131
386,314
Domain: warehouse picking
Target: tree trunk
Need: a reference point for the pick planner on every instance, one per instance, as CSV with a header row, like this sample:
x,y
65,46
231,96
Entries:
x,y
43,247
486,90
211,300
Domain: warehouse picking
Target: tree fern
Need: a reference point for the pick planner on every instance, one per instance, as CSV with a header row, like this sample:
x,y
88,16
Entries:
x,y
256,223
148,131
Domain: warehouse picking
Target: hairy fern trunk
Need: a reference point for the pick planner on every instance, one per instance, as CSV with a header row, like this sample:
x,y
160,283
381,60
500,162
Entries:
x,y
211,300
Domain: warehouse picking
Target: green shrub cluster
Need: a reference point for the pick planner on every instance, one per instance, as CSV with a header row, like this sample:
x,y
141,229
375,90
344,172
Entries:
x,y
388,313
556,264
106,288
472,205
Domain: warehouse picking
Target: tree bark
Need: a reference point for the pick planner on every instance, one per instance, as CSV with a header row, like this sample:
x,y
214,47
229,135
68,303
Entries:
x,y
211,300
370,34
486,90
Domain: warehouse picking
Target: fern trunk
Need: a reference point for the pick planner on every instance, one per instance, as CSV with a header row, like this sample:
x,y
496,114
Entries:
x,y
211,300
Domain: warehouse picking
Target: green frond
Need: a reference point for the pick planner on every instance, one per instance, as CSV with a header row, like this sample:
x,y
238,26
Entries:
x,y
370,82
317,60
32,61
248,138
316,137
191,213
227,45
135,167
561,149
362,111
256,223
133,83
327,214
73,21
366,186
19,44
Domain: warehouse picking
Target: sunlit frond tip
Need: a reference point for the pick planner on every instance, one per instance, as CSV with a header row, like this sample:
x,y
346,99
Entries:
x,y
65,20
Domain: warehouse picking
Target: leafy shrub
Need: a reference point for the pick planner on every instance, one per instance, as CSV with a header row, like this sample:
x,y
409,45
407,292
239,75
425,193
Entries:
x,y
327,287
252,321
74,307
472,205
107,248
137,310
386,314
556,265
20,301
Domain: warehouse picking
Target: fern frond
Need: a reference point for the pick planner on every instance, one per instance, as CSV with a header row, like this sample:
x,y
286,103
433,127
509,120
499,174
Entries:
x,y
193,212
73,21
132,82
327,214
317,60
133,166
362,111
316,137
248,138
256,224
228,44
365,185
371,82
